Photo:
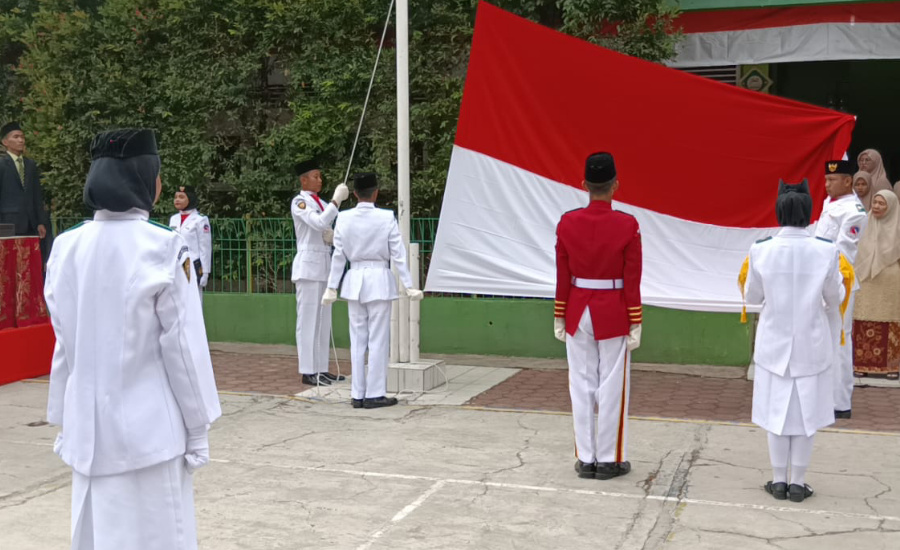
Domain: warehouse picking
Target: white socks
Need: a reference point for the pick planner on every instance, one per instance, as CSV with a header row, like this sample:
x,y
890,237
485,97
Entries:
x,y
801,452
790,450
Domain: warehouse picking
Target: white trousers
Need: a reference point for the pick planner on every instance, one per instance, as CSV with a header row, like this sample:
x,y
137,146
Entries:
x,y
148,509
370,329
599,378
313,327
843,362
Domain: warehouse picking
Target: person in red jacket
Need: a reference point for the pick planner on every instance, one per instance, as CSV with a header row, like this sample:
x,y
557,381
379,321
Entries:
x,y
598,315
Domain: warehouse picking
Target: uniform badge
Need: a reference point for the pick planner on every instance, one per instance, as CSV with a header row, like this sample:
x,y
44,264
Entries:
x,y
301,204
853,231
832,167
206,228
184,249
860,208
187,268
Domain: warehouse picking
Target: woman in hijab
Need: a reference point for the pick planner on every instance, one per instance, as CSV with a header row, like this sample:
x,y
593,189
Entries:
x,y
876,319
862,186
131,381
870,161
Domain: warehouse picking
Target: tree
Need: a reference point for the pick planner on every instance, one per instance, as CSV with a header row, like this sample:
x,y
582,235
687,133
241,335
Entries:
x,y
240,90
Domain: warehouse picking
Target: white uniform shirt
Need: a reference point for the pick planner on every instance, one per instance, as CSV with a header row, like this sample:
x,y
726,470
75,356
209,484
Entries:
x,y
797,280
197,235
131,370
311,219
842,222
369,238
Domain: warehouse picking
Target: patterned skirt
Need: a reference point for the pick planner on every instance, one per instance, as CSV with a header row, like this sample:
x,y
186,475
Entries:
x,y
876,348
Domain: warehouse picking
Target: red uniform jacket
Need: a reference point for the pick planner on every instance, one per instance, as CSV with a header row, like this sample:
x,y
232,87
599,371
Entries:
x,y
598,242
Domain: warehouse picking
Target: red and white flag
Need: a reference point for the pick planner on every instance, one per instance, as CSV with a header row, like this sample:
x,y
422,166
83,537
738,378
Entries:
x,y
744,36
698,163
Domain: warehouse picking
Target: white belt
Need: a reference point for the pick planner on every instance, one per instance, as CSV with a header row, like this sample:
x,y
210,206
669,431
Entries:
x,y
370,264
314,248
598,284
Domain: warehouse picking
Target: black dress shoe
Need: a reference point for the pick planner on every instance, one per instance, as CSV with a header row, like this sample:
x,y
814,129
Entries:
x,y
799,493
777,490
609,470
377,402
315,380
842,414
333,377
585,470
356,403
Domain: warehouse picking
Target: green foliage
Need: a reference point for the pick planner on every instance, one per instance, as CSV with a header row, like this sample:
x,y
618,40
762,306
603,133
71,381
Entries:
x,y
197,71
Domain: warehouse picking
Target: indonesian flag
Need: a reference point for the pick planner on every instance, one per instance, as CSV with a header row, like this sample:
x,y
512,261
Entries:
x,y
698,163
852,30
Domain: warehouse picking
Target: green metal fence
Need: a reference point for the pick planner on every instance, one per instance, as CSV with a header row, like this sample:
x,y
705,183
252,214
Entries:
x,y
254,255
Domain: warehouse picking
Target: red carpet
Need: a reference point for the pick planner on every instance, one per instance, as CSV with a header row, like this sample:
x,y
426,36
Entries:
x,y
25,352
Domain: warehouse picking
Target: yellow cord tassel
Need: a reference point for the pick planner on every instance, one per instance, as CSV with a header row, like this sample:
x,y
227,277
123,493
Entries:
x,y
849,275
742,280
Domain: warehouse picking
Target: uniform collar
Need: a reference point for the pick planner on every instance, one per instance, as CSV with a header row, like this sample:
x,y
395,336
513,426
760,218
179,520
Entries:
x,y
600,205
187,212
365,205
14,156
848,197
109,215
793,232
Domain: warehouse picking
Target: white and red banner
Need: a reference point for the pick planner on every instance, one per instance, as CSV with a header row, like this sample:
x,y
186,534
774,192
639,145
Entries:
x,y
698,162
853,30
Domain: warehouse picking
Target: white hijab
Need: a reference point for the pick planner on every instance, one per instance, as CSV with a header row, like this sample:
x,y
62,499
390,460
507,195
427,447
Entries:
x,y
879,245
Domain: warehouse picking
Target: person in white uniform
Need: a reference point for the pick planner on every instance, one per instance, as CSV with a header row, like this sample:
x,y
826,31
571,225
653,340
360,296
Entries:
x,y
842,222
313,219
131,382
797,279
369,238
194,227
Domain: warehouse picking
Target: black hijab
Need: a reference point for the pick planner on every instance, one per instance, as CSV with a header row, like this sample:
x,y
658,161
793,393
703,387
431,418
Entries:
x,y
793,207
123,171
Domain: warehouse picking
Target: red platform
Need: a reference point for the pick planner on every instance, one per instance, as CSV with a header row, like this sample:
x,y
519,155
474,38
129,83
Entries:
x,y
25,352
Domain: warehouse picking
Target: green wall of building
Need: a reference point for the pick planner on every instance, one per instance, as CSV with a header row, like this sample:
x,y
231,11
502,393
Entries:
x,y
491,327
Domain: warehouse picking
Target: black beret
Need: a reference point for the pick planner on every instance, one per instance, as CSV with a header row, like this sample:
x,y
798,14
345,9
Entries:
x,y
306,166
839,167
364,181
9,127
599,168
124,143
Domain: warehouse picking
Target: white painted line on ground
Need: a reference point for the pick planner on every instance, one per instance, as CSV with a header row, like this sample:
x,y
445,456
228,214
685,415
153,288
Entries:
x,y
438,482
410,508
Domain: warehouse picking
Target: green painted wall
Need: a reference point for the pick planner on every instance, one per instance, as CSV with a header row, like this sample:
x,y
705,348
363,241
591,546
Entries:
x,y
491,327
693,5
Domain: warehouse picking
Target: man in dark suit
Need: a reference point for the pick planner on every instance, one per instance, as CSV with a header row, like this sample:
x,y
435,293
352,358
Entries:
x,y
21,199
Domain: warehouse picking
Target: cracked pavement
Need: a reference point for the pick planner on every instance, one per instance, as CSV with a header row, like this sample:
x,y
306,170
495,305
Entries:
x,y
288,473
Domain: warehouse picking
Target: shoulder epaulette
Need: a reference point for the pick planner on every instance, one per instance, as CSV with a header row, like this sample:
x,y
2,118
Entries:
x,y
572,210
824,239
157,224
764,240
76,226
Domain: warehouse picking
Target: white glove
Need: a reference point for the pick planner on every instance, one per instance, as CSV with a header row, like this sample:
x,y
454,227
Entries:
x,y
57,445
559,328
203,280
328,236
196,453
329,297
414,295
340,194
633,340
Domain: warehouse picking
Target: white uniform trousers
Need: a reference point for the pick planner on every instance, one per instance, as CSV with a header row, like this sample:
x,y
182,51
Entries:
x,y
313,327
370,328
147,509
599,377
843,362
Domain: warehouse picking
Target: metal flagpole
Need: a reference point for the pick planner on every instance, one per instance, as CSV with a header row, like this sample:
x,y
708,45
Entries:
x,y
402,44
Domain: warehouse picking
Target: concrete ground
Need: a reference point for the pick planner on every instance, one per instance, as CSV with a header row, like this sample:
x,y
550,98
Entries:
x,y
289,473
